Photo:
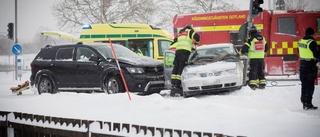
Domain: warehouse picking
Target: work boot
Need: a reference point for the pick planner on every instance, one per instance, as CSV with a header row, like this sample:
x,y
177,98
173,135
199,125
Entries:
x,y
307,106
253,87
262,86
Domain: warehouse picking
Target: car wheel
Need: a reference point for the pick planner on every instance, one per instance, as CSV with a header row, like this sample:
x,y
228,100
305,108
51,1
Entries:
x,y
114,85
185,95
45,85
238,88
176,93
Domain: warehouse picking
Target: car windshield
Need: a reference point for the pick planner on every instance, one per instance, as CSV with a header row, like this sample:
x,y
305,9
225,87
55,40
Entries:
x,y
214,54
120,51
215,50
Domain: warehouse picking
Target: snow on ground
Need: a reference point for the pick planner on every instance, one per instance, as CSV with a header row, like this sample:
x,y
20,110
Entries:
x,y
275,111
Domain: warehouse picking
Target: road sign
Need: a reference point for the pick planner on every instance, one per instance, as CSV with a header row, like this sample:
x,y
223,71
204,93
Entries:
x,y
16,49
19,65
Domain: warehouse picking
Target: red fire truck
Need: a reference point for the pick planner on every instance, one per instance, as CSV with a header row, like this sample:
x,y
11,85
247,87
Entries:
x,y
282,30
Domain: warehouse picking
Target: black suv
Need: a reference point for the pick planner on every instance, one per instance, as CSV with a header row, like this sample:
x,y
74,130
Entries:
x,y
92,67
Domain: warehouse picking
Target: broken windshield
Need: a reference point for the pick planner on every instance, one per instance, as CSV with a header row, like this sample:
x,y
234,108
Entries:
x,y
210,55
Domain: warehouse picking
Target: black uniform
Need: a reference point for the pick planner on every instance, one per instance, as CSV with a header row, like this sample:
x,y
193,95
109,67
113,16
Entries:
x,y
308,71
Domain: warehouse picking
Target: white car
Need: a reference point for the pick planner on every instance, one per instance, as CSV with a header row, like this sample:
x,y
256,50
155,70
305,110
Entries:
x,y
212,68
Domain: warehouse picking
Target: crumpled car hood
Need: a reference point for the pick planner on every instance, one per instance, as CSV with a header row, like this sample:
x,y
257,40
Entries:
x,y
220,65
140,61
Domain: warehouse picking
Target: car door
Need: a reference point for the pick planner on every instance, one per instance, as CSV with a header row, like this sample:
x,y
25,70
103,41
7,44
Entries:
x,y
64,67
87,72
168,66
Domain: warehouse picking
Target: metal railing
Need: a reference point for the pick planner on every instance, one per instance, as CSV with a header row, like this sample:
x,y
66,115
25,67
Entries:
x,y
16,124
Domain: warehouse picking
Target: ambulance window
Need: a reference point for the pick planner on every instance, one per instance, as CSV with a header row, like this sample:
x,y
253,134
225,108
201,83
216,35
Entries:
x,y
163,45
318,25
287,26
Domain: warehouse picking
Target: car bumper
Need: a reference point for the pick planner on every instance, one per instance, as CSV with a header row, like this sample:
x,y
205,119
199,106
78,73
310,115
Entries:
x,y
211,84
145,84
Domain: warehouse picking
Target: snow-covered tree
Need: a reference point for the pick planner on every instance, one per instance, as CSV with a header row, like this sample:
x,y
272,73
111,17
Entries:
x,y
72,14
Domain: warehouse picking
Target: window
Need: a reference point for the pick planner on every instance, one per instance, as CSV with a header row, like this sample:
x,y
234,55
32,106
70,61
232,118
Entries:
x,y
64,54
318,25
163,45
287,26
46,54
83,54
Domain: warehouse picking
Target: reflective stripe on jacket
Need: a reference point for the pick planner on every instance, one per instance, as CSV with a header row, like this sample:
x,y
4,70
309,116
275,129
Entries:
x,y
184,41
304,50
256,49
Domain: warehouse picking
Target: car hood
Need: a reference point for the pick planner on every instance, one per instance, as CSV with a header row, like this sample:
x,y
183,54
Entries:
x,y
216,66
140,61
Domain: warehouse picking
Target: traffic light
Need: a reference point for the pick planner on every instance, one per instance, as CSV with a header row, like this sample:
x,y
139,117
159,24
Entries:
x,y
256,9
10,30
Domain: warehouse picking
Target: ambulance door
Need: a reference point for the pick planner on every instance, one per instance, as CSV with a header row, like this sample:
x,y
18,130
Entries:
x,y
160,48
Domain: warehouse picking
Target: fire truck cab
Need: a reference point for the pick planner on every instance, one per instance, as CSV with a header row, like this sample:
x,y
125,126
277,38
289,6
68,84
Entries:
x,y
282,30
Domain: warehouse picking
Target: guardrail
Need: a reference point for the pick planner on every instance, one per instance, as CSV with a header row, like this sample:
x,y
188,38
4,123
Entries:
x,y
16,124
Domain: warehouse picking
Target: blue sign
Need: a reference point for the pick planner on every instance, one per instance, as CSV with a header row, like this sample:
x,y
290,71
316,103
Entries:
x,y
16,49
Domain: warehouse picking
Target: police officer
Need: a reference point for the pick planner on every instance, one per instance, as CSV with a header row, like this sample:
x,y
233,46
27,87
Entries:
x,y
309,52
186,38
256,47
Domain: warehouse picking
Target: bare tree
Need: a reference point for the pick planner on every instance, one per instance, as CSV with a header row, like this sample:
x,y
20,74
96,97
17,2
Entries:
x,y
292,4
74,13
215,5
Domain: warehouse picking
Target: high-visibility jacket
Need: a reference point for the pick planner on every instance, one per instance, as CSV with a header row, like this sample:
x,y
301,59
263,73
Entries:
x,y
173,46
304,50
184,41
139,52
256,49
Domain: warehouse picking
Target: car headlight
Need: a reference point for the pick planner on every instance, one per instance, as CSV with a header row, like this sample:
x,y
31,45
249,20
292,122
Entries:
x,y
217,73
231,71
189,75
135,70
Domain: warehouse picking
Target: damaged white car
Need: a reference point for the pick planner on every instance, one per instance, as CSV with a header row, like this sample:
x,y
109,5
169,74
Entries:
x,y
212,68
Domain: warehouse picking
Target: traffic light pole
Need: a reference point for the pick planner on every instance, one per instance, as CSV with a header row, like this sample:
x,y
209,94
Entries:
x,y
16,40
249,19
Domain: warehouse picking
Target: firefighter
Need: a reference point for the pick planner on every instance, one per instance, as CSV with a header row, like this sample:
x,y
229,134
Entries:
x,y
256,47
135,49
187,37
173,45
309,55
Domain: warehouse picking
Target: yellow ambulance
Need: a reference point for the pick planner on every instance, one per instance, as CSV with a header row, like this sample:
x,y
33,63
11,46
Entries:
x,y
151,41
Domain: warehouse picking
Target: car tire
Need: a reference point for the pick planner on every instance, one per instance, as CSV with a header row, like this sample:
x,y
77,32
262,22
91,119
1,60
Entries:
x,y
238,88
45,85
186,95
113,85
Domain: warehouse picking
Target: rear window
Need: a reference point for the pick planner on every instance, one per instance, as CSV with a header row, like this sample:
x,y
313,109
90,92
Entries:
x,y
46,54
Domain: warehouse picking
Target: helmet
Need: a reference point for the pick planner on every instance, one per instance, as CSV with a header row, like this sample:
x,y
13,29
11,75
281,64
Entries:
x,y
253,29
189,26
